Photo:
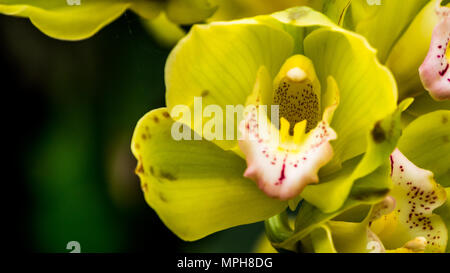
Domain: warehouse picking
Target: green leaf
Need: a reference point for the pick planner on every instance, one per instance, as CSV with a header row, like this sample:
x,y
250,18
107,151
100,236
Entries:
x,y
195,187
383,24
434,72
426,142
80,19
64,19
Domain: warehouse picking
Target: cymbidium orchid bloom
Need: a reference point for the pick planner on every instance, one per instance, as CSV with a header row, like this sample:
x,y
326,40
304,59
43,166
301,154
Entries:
x,y
338,116
403,32
413,218
80,19
237,9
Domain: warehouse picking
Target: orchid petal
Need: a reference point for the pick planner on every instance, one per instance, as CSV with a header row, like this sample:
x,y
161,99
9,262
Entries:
x,y
416,195
195,187
410,50
190,11
165,32
426,143
350,60
334,189
72,19
368,190
435,70
383,24
219,62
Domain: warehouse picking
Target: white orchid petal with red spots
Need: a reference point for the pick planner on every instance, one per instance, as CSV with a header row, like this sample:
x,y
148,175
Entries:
x,y
416,195
282,170
435,70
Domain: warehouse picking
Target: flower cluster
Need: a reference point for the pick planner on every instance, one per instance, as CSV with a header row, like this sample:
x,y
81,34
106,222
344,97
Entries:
x,y
356,157
347,154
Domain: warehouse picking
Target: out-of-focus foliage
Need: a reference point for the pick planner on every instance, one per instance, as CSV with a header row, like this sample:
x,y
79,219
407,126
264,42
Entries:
x,y
401,33
80,19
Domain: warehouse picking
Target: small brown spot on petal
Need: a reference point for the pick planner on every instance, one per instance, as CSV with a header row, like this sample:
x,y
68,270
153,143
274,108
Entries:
x,y
204,93
162,197
378,133
139,168
144,187
167,175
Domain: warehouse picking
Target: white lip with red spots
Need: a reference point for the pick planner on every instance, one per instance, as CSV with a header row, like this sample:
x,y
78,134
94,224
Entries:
x,y
416,194
283,169
284,160
435,70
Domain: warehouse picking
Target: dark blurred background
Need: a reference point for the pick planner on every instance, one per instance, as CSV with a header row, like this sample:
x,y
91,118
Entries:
x,y
70,109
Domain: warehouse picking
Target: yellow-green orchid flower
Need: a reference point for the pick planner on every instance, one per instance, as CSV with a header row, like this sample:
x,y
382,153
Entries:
x,y
80,19
413,218
403,32
338,117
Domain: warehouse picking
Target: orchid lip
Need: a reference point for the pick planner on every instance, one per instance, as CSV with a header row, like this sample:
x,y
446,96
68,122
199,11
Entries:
x,y
284,160
435,70
410,223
